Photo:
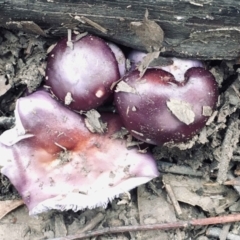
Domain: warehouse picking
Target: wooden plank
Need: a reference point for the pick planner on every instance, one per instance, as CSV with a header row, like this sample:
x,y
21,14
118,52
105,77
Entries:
x,y
204,29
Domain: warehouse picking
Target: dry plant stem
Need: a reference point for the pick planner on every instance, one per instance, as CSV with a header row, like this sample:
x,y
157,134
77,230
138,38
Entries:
x,y
94,24
173,199
215,232
160,226
228,146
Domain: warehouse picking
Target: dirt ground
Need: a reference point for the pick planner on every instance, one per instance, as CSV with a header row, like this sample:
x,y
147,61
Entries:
x,y
198,179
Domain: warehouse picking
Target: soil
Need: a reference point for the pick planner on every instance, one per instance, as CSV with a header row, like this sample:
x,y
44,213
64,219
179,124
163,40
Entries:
x,y
194,181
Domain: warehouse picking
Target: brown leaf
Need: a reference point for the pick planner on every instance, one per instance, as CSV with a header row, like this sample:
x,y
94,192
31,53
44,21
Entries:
x,y
146,62
207,111
120,134
182,110
28,26
94,123
149,32
187,189
124,87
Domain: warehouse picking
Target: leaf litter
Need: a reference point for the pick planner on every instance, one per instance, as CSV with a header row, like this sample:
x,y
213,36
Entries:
x,y
193,174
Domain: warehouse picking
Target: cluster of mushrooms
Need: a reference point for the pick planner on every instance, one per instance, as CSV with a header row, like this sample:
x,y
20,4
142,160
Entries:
x,y
59,159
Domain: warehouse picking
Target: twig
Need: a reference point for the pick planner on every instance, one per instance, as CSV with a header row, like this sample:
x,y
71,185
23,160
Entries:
x,y
94,24
160,226
173,199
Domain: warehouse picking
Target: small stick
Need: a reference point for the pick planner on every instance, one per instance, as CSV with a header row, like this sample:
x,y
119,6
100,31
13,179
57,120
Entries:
x,y
232,182
225,231
63,148
173,199
159,226
94,24
69,41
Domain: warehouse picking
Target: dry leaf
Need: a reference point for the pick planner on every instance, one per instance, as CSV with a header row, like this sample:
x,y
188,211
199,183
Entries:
x,y
146,61
8,206
124,87
182,110
120,134
28,26
133,143
149,32
207,111
183,145
68,99
195,192
125,198
94,123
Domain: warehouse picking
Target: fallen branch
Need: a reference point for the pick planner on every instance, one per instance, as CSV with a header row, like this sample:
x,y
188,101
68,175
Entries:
x,y
160,226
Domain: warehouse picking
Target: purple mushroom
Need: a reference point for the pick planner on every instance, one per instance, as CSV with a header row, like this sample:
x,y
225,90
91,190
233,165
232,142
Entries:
x,y
55,162
158,109
82,76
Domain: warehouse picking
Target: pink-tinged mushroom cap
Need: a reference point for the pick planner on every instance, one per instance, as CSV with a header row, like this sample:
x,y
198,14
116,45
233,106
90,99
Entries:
x,y
56,163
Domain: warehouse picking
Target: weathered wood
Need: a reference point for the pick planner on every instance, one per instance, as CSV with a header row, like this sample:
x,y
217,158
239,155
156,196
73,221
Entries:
x,y
204,29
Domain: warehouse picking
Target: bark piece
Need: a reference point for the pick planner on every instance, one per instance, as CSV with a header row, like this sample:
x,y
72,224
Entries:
x,y
209,30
